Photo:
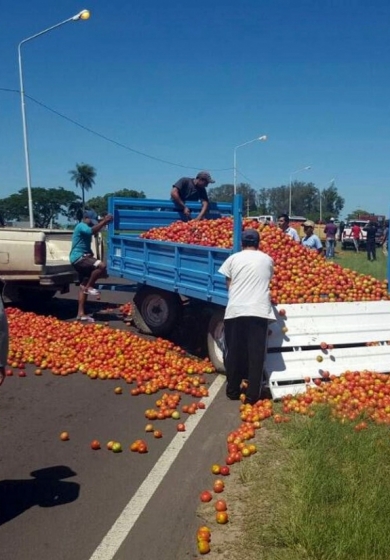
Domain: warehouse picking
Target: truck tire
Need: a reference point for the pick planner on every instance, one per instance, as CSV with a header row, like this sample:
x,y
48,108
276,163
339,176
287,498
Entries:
x,y
156,311
215,340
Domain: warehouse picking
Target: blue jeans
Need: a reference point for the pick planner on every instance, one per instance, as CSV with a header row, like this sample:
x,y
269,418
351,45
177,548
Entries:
x,y
330,245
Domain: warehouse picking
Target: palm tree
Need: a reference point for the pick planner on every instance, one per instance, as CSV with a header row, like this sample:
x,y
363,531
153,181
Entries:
x,y
83,176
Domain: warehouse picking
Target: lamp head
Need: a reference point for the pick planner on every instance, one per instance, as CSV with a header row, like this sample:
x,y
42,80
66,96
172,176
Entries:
x,y
84,14
263,138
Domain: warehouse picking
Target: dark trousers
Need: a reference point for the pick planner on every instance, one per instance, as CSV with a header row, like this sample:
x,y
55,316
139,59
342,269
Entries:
x,y
246,342
371,250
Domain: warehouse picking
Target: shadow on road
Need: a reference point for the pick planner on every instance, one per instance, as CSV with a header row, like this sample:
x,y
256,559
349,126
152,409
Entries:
x,y
45,489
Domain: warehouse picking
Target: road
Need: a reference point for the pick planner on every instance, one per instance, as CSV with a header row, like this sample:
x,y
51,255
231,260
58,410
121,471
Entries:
x,y
63,501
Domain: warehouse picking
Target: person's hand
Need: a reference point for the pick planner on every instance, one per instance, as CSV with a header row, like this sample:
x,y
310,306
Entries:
x,y
108,218
186,211
2,374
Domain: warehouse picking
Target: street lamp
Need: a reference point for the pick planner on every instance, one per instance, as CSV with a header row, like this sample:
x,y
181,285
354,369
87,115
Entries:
x,y
262,138
291,175
320,193
84,14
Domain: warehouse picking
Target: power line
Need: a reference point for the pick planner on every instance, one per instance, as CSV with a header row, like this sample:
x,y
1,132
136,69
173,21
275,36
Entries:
x,y
104,137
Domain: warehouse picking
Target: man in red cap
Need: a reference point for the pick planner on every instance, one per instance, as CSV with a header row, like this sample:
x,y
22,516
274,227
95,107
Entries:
x,y
187,189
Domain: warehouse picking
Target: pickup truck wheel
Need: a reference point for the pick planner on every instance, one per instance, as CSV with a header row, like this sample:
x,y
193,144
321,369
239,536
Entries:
x,y
155,311
215,340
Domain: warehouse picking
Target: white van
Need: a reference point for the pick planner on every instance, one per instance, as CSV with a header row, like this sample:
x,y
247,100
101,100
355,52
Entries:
x,y
265,218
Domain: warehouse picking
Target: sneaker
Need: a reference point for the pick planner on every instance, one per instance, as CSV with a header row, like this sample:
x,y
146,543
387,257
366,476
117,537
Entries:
x,y
92,292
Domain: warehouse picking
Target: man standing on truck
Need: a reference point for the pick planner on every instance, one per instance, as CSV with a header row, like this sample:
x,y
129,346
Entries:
x,y
284,224
248,274
330,231
81,257
187,189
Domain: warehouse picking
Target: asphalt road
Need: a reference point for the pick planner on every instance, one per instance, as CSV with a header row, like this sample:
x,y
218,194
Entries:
x,y
63,501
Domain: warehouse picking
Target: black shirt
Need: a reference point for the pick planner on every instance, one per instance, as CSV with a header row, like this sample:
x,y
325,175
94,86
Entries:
x,y
371,230
188,190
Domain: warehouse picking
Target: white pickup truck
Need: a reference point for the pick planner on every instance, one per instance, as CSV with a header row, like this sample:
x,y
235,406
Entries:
x,y
346,237
34,263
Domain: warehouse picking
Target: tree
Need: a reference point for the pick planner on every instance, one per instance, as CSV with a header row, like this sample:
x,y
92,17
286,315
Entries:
x,y
224,193
48,205
84,177
100,203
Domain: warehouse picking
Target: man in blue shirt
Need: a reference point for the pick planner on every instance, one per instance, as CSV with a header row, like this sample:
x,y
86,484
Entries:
x,y
310,239
81,257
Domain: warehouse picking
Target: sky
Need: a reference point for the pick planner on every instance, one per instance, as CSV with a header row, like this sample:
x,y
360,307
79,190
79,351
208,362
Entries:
x,y
148,92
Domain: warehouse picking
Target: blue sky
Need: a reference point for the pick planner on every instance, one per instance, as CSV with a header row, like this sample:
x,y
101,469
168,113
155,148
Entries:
x,y
186,82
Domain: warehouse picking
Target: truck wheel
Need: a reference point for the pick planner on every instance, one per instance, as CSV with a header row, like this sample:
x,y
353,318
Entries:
x,y
215,340
156,311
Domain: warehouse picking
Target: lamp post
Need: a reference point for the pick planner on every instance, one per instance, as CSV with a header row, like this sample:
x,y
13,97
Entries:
x,y
320,194
290,193
262,138
84,14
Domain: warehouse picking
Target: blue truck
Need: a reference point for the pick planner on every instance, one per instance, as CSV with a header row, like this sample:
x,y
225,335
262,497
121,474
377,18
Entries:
x,y
170,276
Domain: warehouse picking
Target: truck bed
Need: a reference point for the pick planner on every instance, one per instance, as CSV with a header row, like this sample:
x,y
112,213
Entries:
x,y
188,270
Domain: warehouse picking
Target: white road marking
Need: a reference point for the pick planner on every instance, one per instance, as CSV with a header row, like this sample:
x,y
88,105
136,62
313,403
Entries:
x,y
125,522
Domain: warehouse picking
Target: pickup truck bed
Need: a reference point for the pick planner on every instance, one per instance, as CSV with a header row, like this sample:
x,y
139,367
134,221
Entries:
x,y
35,262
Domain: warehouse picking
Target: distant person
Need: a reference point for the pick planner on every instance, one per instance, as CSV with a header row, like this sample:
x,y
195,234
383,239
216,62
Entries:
x,y
187,189
81,257
341,229
356,234
4,341
385,239
310,240
284,224
371,230
330,232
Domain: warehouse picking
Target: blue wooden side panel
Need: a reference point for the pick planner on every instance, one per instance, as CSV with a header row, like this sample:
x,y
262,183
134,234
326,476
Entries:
x,y
189,270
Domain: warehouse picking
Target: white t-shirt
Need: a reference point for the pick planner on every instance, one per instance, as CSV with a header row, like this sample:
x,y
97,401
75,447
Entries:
x,y
250,273
290,231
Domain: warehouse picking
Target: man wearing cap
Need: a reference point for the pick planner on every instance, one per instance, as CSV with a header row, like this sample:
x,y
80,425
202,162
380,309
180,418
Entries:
x,y
81,257
310,239
248,274
187,189
330,231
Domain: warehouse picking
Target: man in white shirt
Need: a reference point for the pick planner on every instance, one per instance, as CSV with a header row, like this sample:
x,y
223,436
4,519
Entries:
x,y
248,274
284,224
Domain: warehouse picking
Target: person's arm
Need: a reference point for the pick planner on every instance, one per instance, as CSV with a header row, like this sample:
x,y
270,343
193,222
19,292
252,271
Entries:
x,y
175,195
106,220
228,282
203,211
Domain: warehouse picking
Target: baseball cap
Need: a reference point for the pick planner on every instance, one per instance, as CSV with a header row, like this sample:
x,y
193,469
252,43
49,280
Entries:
x,y
308,223
332,219
206,176
250,236
91,215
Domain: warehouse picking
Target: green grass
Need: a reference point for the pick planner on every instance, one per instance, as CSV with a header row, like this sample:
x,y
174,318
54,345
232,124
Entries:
x,y
358,261
318,490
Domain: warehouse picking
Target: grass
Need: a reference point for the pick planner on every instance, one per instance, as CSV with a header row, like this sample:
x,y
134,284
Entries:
x,y
317,490
358,261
